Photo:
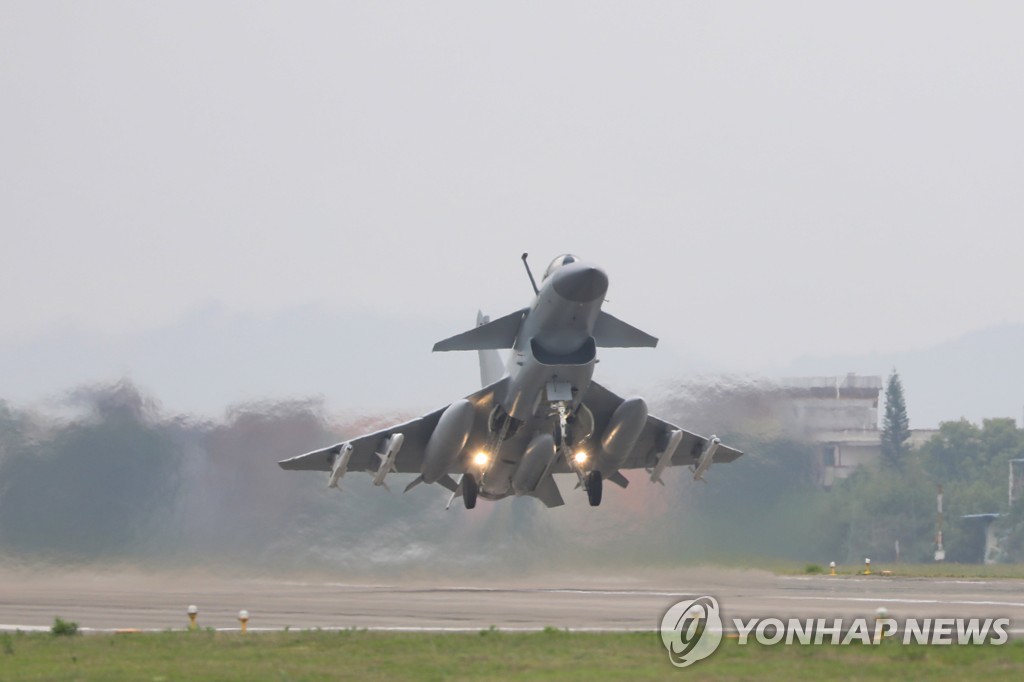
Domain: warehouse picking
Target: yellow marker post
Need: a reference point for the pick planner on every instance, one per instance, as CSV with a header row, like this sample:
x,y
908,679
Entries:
x,y
192,611
243,618
867,566
832,568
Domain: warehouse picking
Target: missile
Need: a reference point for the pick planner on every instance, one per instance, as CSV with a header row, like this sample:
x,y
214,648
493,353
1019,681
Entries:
x,y
340,465
387,458
666,455
706,458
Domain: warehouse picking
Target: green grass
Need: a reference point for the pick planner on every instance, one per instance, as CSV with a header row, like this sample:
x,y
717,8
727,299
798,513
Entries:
x,y
939,570
489,655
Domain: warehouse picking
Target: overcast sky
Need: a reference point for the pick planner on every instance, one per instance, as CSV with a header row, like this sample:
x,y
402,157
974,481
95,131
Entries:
x,y
760,180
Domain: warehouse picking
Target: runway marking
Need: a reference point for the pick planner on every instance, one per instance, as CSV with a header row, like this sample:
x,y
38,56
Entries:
x,y
899,600
656,593
291,583
897,578
616,593
565,590
521,590
467,588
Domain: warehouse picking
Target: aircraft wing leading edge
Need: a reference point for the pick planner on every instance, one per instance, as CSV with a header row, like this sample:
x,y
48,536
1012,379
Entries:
x,y
611,332
652,440
416,434
495,335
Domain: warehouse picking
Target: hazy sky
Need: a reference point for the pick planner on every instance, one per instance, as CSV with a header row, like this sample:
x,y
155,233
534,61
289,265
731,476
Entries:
x,y
760,180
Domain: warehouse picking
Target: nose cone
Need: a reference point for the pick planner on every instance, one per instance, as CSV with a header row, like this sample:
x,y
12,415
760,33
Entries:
x,y
580,283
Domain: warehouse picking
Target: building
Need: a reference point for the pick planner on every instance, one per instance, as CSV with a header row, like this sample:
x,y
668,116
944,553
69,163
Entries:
x,y
841,415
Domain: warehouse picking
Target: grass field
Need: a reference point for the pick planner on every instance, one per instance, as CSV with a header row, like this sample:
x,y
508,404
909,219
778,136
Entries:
x,y
935,570
489,655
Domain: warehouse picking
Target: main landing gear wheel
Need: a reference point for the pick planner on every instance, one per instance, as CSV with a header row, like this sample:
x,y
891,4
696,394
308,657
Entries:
x,y
594,485
470,489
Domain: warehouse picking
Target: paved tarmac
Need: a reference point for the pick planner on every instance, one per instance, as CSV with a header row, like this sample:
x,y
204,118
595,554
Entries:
x,y
133,598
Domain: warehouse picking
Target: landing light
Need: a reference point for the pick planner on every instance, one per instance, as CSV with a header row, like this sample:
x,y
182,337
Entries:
x,y
481,459
580,457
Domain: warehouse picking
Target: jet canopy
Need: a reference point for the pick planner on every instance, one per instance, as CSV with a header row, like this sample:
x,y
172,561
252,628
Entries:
x,y
564,259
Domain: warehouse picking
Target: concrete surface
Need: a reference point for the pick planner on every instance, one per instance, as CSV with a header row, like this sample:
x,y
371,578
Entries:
x,y
133,598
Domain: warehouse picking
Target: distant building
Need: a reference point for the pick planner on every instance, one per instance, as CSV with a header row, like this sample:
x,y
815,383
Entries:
x,y
1016,480
983,524
841,414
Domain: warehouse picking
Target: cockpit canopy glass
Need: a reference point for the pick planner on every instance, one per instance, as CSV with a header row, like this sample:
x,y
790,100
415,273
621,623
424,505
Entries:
x,y
564,259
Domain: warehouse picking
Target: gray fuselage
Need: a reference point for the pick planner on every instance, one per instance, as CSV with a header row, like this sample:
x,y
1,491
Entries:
x,y
554,352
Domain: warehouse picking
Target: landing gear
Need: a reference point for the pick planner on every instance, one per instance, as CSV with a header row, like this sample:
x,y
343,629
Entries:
x,y
590,481
501,423
594,485
470,488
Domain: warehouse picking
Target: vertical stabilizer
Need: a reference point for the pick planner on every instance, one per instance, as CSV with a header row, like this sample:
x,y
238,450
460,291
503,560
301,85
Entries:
x,y
491,366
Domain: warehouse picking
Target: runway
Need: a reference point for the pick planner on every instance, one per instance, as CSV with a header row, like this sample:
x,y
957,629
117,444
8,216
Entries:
x,y
132,598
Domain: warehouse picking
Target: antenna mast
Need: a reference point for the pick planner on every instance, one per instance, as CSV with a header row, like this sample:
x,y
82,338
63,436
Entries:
x,y
530,274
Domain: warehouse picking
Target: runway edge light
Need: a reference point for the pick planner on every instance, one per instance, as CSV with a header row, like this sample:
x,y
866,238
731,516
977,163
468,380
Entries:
x,y
881,617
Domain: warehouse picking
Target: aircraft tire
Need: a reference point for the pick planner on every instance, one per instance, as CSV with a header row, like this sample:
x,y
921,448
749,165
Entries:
x,y
469,491
594,485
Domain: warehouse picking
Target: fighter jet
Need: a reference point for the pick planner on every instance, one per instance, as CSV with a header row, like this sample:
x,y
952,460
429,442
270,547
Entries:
x,y
543,414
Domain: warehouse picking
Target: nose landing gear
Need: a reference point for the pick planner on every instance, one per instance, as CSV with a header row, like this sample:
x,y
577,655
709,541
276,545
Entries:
x,y
590,481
